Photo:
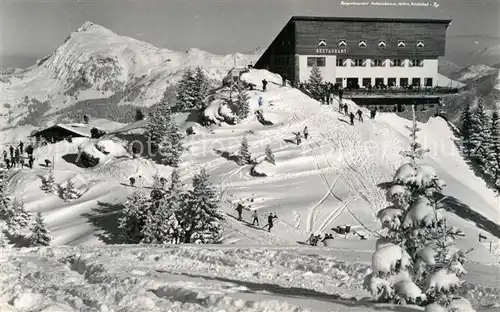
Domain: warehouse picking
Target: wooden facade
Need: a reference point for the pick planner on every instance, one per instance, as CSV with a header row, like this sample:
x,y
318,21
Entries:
x,y
402,38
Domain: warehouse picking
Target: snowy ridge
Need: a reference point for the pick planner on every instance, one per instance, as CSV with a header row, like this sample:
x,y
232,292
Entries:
x,y
474,72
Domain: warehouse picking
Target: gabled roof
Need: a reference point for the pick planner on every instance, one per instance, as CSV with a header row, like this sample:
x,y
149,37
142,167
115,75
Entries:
x,y
370,19
77,128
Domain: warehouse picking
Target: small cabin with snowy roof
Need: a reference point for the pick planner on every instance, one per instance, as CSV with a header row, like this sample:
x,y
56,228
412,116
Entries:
x,y
234,75
59,132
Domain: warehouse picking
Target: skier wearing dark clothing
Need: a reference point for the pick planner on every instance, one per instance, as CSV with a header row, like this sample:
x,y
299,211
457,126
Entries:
x,y
306,132
239,209
264,85
351,116
21,145
17,156
31,160
346,109
341,92
5,156
132,181
7,163
360,115
255,218
270,220
29,150
11,149
298,140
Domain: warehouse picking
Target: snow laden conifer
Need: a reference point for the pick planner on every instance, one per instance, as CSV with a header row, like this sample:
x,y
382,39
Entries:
x,y
242,107
202,88
201,218
68,192
315,81
466,128
19,219
48,183
40,235
164,136
479,137
186,91
270,155
134,216
5,201
244,155
493,158
416,261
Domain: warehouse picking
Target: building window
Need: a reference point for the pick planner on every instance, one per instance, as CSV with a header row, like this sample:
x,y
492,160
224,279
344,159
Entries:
x,y
341,62
338,81
379,81
428,82
403,82
416,63
358,63
398,63
319,61
367,82
391,82
415,82
378,63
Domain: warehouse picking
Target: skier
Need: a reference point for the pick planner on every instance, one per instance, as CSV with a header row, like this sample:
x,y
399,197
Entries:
x,y
255,218
132,181
4,154
360,115
346,109
17,156
11,149
341,92
298,140
264,85
270,220
21,162
306,132
239,209
7,163
351,116
29,150
374,113
21,145
261,101
31,160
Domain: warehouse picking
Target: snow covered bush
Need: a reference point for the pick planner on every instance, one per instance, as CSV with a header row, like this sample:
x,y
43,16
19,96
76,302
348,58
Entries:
x,y
134,217
40,236
416,261
68,192
5,206
244,155
48,183
192,90
242,107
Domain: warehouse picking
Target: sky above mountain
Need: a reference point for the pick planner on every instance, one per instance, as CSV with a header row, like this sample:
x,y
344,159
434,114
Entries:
x,y
32,29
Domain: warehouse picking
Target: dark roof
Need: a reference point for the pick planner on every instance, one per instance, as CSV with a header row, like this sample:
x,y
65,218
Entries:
x,y
370,19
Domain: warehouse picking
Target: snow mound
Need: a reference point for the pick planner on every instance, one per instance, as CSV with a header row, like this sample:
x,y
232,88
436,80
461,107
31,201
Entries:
x,y
264,169
111,148
460,305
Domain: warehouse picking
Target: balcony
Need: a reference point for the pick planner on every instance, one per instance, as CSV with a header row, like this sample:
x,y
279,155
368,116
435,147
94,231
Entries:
x,y
399,92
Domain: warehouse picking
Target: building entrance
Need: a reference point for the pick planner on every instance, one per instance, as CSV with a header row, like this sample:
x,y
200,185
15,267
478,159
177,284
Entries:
x,y
352,83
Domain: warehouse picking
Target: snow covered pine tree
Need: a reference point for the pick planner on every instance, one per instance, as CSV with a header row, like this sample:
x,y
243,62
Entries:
x,y
19,219
186,91
200,218
416,262
465,129
493,158
202,88
315,81
479,136
134,216
269,155
5,207
244,155
40,236
48,183
242,108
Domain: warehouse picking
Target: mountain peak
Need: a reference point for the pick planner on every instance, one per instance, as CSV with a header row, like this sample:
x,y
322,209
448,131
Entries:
x,y
92,27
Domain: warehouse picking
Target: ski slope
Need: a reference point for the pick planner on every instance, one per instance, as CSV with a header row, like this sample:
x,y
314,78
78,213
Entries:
x,y
329,180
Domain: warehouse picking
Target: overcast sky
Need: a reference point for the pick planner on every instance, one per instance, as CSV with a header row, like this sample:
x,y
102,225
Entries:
x,y
32,29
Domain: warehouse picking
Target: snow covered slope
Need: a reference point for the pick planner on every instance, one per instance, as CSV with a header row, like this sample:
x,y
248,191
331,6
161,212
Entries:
x,y
329,180
96,66
473,72
203,278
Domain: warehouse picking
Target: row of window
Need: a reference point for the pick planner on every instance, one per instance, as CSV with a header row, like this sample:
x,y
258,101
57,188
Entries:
x,y
391,82
363,43
321,62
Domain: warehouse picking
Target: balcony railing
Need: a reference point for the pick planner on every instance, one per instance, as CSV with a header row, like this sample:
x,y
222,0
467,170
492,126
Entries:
x,y
400,92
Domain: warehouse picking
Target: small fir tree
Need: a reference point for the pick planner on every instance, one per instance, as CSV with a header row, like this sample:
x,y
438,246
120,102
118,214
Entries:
x,y
315,82
40,235
201,218
479,133
202,87
69,192
270,155
465,129
415,261
134,217
48,183
242,108
245,157
176,148
19,219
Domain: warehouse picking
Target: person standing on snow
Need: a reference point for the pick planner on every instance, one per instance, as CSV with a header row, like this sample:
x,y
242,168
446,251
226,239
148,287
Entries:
x,y
346,109
297,138
306,132
11,149
341,92
360,115
261,101
21,145
132,181
239,209
351,116
264,85
255,218
270,221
